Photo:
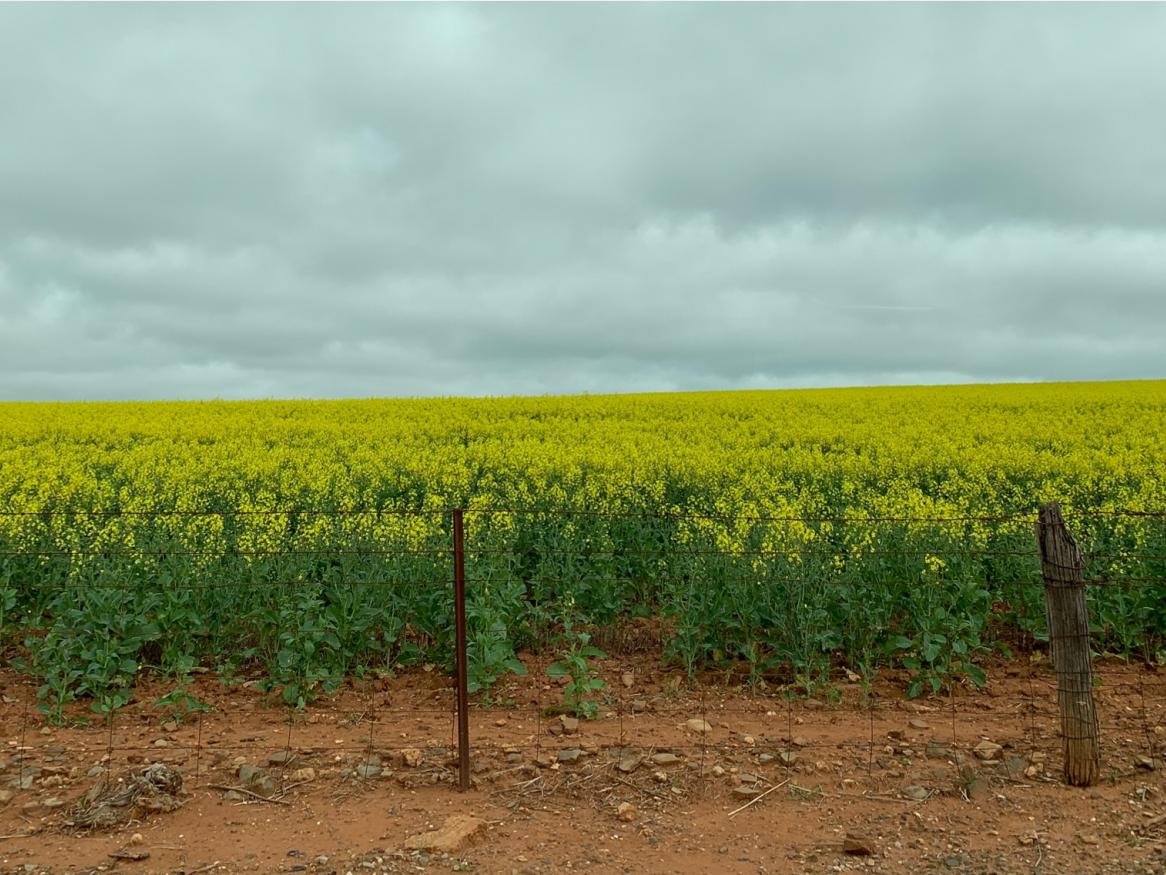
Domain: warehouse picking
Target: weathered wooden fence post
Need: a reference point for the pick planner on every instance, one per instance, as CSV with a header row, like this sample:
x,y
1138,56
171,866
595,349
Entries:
x,y
1064,574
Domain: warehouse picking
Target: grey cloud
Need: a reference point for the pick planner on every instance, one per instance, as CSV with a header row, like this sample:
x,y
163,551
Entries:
x,y
212,200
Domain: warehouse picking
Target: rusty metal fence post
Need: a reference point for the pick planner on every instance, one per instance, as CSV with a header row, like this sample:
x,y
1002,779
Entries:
x,y
1063,570
461,658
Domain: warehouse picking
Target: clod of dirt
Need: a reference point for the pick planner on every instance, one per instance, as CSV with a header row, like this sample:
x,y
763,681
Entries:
x,y
857,845
452,834
114,802
412,757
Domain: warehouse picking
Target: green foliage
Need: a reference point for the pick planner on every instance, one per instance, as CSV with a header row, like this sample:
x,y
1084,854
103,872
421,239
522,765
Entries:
x,y
91,650
778,537
574,652
491,622
179,703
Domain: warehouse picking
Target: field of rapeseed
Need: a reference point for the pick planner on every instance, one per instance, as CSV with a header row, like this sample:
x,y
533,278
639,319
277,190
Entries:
x,y
784,533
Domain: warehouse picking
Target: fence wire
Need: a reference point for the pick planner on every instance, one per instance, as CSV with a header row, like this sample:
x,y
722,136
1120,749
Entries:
x,y
539,722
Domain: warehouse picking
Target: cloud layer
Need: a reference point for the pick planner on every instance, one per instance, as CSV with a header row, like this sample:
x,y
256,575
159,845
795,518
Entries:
x,y
242,201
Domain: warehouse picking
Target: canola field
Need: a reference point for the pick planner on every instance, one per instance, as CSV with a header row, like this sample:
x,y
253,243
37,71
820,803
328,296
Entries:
x,y
785,534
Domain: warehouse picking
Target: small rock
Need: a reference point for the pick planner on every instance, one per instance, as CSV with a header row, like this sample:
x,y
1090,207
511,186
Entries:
x,y
978,790
569,755
452,834
1090,839
1148,763
161,742
53,802
249,774
412,757
170,726
660,777
987,750
916,793
953,862
857,845
304,775
280,758
627,812
5,796
918,724
628,679
746,791
665,759
233,796
368,770
136,839
766,758
787,757
698,725
264,786
936,751
639,706
570,724
628,763
1015,766
719,771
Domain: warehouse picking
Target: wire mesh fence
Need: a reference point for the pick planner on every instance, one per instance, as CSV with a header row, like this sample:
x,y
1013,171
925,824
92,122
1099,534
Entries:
x,y
664,652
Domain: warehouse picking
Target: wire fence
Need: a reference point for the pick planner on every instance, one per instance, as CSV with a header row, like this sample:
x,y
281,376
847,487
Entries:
x,y
654,652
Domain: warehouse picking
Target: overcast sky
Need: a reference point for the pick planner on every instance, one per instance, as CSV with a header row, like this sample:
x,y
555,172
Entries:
x,y
293,201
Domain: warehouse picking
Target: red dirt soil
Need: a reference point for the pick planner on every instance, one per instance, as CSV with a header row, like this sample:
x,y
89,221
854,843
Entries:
x,y
901,778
